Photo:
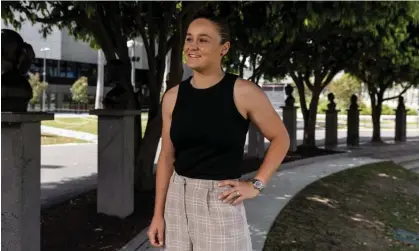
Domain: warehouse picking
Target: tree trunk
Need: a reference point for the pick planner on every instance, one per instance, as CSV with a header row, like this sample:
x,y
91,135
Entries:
x,y
176,66
147,153
309,138
376,106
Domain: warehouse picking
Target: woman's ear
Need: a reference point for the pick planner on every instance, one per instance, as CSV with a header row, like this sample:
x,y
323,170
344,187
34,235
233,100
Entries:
x,y
225,48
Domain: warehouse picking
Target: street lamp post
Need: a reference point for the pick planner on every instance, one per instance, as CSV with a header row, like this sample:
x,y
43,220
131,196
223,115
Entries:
x,y
100,79
44,76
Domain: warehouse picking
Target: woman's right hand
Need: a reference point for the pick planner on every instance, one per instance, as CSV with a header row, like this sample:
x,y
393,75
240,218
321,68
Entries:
x,y
156,231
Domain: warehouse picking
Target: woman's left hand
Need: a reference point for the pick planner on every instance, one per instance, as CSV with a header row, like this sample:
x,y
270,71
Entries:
x,y
241,190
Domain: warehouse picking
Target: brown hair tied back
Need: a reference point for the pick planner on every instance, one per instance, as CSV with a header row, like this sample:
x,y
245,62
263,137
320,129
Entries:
x,y
222,25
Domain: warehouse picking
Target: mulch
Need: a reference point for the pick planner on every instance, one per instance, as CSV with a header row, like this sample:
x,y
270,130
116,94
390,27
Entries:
x,y
74,225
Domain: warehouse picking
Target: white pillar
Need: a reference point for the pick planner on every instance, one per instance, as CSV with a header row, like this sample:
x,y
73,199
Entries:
x,y
100,79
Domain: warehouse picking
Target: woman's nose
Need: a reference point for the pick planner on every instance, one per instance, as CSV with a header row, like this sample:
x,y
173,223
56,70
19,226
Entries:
x,y
193,45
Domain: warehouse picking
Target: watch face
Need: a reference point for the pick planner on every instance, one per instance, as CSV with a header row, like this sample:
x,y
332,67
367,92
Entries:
x,y
258,184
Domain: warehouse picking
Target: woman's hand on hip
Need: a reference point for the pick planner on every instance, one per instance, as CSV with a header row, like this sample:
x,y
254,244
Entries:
x,y
241,190
156,232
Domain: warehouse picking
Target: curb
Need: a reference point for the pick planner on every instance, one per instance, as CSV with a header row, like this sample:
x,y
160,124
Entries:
x,y
137,242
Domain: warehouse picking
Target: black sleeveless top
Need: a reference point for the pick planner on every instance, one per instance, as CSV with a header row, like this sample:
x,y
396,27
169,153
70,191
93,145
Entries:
x,y
208,132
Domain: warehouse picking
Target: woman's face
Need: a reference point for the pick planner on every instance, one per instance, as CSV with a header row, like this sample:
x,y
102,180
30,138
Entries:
x,y
203,48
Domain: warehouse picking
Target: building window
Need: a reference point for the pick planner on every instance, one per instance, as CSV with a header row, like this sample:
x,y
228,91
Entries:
x,y
83,70
52,69
71,70
63,69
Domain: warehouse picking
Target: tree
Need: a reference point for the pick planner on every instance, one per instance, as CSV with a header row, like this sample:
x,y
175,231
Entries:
x,y
79,91
38,87
343,88
329,38
390,58
109,25
261,34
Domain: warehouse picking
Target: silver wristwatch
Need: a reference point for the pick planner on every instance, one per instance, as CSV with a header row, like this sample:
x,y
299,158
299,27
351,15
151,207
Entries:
x,y
257,184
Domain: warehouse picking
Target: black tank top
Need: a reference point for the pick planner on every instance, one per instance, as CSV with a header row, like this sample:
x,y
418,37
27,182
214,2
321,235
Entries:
x,y
208,132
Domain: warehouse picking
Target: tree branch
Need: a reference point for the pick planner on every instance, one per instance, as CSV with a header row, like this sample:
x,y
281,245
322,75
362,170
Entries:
x,y
307,80
190,7
400,94
162,47
103,34
330,76
121,40
141,27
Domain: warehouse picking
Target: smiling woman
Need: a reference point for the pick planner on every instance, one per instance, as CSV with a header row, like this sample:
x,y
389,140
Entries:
x,y
206,44
199,197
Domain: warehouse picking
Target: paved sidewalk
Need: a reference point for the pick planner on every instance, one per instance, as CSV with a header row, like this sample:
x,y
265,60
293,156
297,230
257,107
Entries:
x,y
292,178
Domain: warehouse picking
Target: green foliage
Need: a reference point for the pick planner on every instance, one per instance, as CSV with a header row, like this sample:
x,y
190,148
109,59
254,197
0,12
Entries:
x,y
38,87
386,110
411,111
343,88
79,91
390,55
365,110
322,106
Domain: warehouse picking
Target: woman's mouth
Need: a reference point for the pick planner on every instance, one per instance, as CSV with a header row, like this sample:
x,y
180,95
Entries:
x,y
193,56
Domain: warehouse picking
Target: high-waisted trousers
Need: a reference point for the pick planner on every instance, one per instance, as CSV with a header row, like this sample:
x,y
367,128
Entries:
x,y
196,220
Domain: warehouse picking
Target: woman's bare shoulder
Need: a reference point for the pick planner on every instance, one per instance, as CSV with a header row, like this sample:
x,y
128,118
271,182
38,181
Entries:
x,y
169,99
246,89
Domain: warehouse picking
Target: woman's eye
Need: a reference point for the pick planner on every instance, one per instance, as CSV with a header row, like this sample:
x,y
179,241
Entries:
x,y
188,39
203,41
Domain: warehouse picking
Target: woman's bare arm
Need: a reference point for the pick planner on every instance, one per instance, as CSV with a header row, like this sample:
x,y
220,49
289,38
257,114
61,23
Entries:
x,y
253,103
166,158
259,109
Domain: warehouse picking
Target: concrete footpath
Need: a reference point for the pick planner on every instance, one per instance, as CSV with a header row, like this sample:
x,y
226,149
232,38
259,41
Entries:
x,y
295,176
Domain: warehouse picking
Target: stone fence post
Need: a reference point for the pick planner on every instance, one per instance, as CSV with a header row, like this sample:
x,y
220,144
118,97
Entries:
x,y
116,159
21,180
331,138
353,122
256,143
290,117
401,125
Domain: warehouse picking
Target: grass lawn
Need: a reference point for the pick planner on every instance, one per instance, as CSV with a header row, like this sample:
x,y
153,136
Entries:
x,y
357,209
48,139
82,124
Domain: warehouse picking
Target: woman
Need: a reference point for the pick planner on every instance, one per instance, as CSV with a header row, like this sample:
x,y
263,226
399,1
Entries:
x,y
199,197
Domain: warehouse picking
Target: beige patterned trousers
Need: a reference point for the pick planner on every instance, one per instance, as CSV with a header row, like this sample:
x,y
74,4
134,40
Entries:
x,y
196,220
